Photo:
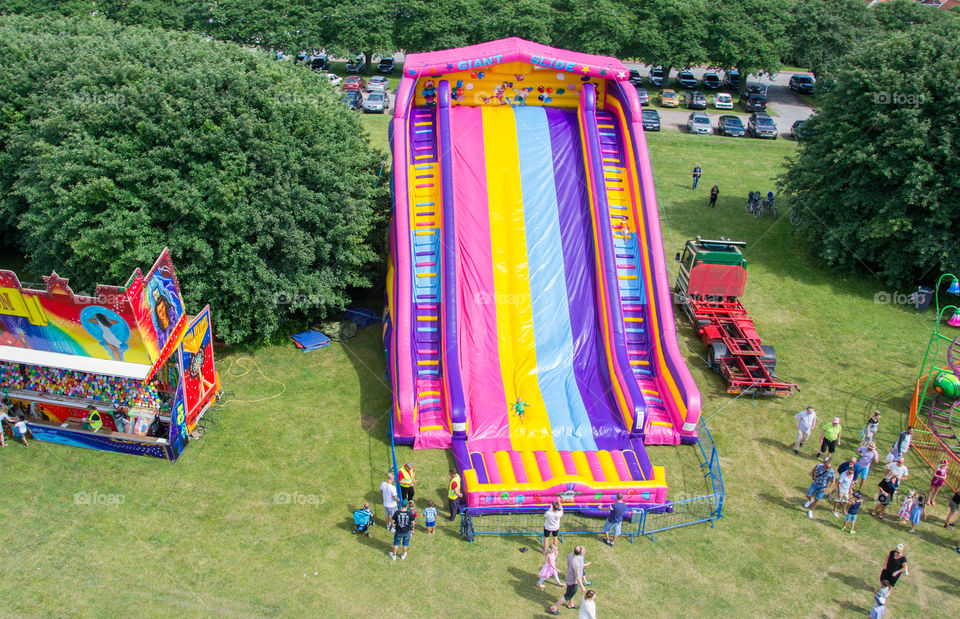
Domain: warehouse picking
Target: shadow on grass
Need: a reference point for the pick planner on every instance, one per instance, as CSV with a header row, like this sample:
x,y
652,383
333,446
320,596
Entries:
x,y
380,539
778,444
854,582
951,584
525,585
851,607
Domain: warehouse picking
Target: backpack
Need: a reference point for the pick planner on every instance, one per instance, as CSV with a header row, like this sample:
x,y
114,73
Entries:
x,y
466,525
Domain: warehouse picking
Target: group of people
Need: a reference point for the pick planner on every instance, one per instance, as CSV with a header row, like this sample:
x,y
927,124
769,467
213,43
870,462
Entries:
x,y
400,511
845,484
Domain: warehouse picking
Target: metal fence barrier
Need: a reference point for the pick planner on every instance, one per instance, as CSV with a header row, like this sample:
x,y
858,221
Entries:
x,y
932,449
653,519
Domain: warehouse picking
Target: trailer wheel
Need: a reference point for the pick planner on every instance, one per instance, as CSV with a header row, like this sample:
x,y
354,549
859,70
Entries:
x,y
715,350
769,358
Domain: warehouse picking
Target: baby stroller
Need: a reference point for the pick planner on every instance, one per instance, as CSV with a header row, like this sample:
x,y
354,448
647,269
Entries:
x,y
362,519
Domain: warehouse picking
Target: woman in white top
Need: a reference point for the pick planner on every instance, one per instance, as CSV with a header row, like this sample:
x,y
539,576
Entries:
x,y
551,525
588,605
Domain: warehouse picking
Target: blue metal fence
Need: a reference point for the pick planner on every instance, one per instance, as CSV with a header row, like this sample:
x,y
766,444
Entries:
x,y
654,519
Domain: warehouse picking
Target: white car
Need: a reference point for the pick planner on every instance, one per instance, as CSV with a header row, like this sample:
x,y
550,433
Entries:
x,y
378,83
335,80
723,101
699,123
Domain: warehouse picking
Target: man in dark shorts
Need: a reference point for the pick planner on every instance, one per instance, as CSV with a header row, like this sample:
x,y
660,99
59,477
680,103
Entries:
x,y
830,438
954,507
402,530
574,580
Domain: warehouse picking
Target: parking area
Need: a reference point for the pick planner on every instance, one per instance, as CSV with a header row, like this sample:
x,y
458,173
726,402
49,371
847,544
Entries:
x,y
783,104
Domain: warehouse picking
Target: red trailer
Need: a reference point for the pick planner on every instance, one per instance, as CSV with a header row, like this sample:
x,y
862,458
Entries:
x,y
712,277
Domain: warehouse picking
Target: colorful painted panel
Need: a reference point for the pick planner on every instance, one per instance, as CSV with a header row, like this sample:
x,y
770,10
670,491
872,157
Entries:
x,y
196,360
512,83
178,423
158,307
57,320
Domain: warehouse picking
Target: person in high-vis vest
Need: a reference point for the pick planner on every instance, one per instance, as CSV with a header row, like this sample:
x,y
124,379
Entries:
x,y
454,494
407,477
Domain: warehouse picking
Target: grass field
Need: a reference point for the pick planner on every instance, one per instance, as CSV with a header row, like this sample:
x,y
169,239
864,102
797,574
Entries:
x,y
255,517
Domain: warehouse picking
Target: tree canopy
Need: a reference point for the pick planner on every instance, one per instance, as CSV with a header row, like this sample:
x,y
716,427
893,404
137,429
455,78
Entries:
x,y
874,183
117,141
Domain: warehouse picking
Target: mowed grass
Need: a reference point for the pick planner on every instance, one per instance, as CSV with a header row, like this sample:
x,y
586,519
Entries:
x,y
255,517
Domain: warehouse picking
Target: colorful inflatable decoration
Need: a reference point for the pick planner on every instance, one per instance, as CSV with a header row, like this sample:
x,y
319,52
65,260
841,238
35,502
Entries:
x,y
125,371
526,258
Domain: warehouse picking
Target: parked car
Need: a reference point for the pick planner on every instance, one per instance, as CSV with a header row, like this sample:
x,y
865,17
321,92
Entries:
x,y
699,123
656,77
353,99
731,77
797,130
354,66
635,78
376,102
723,101
697,101
386,66
669,98
803,84
319,63
730,125
300,58
650,120
711,81
335,80
644,96
753,102
354,82
378,83
757,89
686,80
761,125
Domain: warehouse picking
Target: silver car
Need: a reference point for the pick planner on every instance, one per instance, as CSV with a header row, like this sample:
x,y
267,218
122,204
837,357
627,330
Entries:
x,y
378,83
376,102
699,123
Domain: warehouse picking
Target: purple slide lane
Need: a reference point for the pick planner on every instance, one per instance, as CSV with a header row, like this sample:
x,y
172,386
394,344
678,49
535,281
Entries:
x,y
576,235
488,427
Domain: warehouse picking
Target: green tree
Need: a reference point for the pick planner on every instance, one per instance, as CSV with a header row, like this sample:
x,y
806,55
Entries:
x,y
747,34
669,33
427,25
116,141
822,32
604,27
872,183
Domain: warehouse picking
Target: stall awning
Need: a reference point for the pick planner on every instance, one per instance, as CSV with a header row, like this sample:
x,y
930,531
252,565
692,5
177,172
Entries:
x,y
62,361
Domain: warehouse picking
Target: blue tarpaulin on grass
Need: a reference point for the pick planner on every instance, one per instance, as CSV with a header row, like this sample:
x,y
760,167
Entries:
x,y
310,340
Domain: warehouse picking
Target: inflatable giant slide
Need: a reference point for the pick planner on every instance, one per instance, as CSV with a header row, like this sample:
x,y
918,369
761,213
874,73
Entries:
x,y
530,326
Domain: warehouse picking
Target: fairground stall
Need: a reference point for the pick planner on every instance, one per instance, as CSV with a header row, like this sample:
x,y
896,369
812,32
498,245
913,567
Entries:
x,y
124,370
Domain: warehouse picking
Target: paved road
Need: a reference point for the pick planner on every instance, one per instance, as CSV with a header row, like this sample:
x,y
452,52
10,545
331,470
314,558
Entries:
x,y
786,106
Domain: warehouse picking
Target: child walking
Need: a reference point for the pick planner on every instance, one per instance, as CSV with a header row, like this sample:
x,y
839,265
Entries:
x,y
880,600
20,430
430,517
549,569
853,510
917,512
907,506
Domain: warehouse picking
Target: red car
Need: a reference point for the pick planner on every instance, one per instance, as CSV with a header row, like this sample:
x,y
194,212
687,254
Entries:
x,y
354,82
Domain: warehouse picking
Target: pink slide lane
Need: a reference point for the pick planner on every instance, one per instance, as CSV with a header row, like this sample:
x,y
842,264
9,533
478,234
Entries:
x,y
488,427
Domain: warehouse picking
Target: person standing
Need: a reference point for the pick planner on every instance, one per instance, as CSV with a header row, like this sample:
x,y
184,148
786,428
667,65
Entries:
x,y
843,490
823,476
952,508
853,510
867,455
895,567
805,421
551,525
870,430
900,448
896,472
408,477
939,478
830,437
714,192
454,494
389,491
880,600
588,605
614,521
403,522
697,173
574,580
